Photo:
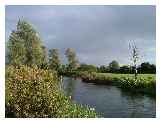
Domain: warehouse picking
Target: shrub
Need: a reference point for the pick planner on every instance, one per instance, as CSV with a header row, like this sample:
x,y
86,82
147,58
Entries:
x,y
33,92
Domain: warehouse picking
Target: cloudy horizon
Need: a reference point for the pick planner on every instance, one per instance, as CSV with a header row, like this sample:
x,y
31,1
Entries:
x,y
99,34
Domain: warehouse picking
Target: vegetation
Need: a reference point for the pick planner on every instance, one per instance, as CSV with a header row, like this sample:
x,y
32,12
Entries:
x,y
113,66
32,81
54,60
33,92
33,77
25,46
73,62
145,83
135,57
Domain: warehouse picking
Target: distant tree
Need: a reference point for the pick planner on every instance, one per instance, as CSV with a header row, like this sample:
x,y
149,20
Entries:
x,y
124,69
103,69
73,62
114,66
146,67
153,68
86,67
54,59
135,57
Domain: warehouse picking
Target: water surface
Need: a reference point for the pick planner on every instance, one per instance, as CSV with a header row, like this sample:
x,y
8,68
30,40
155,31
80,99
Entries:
x,y
110,101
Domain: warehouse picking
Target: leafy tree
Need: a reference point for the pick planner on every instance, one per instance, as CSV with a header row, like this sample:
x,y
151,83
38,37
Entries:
x,y
86,67
44,64
146,67
125,69
32,43
25,46
114,66
16,51
54,59
73,62
153,68
103,69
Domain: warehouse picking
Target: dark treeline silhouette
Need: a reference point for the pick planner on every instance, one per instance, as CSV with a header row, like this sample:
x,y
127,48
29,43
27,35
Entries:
x,y
113,67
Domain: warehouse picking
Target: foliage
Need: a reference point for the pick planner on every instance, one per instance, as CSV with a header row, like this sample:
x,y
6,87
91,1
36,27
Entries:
x,y
143,68
86,67
145,83
146,67
25,44
44,64
113,66
33,92
140,85
73,62
16,50
54,60
103,69
125,69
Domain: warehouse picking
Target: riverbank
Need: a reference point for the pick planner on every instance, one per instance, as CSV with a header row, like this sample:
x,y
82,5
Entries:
x,y
33,92
145,83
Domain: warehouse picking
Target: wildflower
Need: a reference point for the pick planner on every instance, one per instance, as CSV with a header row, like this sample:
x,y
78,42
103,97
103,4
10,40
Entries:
x,y
92,109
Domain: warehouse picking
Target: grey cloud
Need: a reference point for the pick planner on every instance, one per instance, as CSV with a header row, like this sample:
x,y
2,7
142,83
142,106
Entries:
x,y
99,34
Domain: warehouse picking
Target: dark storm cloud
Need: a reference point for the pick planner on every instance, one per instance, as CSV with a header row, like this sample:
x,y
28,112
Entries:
x,y
99,34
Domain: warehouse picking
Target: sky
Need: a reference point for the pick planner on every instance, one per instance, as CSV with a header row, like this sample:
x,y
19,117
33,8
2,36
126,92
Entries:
x,y
98,34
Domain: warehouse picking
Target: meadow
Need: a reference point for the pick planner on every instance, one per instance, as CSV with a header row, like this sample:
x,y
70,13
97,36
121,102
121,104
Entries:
x,y
145,83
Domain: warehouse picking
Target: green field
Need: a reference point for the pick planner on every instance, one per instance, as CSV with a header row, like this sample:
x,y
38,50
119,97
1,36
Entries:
x,y
145,83
147,77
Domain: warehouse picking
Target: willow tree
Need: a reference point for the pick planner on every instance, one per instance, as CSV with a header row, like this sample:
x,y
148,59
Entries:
x,y
134,57
54,59
73,62
15,49
26,44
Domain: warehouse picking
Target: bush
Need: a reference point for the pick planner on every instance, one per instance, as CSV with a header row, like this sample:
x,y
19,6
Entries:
x,y
140,85
33,92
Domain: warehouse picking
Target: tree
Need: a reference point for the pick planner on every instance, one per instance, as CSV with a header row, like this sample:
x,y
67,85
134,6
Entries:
x,y
54,59
135,57
103,69
114,66
86,67
32,42
44,64
16,51
25,45
125,69
73,62
146,67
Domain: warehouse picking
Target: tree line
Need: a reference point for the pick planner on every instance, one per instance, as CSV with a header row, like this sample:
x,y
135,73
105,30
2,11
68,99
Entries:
x,y
25,47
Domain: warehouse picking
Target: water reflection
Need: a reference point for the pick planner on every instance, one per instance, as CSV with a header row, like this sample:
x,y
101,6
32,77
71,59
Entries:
x,y
109,100
69,86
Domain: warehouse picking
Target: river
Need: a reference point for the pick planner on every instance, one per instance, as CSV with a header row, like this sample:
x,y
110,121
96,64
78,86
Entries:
x,y
110,101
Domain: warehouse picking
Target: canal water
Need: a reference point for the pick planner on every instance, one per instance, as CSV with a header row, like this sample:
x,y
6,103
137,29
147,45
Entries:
x,y
110,101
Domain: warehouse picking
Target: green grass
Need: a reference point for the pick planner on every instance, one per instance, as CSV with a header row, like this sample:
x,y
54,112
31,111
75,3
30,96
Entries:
x,y
147,77
145,83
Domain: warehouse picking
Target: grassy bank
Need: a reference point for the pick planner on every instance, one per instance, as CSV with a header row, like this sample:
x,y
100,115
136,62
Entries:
x,y
33,92
145,83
